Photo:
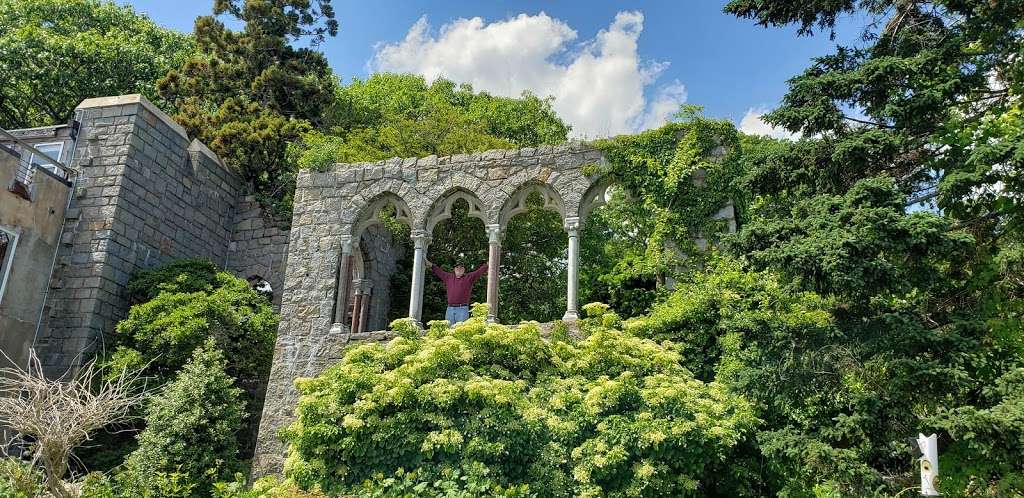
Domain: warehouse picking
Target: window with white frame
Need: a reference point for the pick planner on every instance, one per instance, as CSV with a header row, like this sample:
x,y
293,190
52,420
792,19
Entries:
x,y
51,155
8,240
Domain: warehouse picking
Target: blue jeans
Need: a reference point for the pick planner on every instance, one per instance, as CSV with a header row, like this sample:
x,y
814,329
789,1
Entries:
x,y
456,314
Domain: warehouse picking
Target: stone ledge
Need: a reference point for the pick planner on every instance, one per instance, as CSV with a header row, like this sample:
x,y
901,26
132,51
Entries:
x,y
485,158
200,148
136,98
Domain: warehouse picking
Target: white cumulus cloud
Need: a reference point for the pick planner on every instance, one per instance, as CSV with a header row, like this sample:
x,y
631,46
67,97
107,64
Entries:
x,y
752,124
599,84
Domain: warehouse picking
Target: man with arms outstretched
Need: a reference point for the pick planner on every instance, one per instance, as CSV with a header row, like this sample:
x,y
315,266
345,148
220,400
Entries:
x,y
458,285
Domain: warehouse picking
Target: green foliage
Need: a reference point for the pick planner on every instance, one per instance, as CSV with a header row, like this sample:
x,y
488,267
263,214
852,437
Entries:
x,y
840,386
401,115
713,311
926,307
19,480
266,487
190,429
936,88
916,331
161,334
57,53
447,483
178,307
182,275
614,268
682,172
611,415
857,245
533,270
248,94
984,455
671,183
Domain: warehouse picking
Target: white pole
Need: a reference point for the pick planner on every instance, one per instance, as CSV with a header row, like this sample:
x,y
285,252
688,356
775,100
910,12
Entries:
x,y
929,463
419,239
572,227
493,262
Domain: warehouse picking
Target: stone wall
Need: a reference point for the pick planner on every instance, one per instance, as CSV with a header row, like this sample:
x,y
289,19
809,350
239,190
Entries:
x,y
259,246
145,195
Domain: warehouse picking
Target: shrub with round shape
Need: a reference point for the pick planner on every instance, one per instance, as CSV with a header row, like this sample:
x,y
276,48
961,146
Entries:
x,y
611,415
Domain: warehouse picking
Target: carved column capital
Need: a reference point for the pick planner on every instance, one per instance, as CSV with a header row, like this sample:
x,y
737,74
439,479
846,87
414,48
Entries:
x,y
572,225
420,238
494,233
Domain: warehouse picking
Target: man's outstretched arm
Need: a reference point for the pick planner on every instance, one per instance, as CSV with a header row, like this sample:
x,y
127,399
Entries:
x,y
436,270
479,271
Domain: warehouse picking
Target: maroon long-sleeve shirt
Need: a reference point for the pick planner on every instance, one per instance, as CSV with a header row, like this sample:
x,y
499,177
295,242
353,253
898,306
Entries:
x,y
458,288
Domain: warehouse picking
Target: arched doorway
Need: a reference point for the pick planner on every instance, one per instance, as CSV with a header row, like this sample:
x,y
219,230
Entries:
x,y
456,225
373,257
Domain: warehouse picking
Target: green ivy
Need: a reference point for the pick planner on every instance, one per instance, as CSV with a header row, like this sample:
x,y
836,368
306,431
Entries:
x,y
683,173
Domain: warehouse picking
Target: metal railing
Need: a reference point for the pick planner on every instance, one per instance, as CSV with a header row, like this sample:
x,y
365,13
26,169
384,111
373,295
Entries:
x,y
31,160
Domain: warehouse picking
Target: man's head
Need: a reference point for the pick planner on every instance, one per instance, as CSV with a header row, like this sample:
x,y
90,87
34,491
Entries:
x,y
459,270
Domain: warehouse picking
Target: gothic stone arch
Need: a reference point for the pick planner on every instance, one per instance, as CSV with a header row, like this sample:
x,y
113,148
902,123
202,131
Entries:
x,y
333,207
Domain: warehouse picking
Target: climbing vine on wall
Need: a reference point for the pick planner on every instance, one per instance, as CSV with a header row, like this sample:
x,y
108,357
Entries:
x,y
677,178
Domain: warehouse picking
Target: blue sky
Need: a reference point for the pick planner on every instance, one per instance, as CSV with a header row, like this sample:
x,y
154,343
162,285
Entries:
x,y
612,67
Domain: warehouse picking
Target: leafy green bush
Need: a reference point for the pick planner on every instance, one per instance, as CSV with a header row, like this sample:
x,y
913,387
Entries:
x,y
986,447
267,487
448,483
182,275
711,307
195,305
190,429
18,480
611,415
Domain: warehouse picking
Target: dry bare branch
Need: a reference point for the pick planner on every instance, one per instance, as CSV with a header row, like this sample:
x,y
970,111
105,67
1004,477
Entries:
x,y
56,416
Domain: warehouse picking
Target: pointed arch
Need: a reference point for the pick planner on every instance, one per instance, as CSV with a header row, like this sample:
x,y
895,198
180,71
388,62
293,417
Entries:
x,y
516,202
596,196
441,209
371,212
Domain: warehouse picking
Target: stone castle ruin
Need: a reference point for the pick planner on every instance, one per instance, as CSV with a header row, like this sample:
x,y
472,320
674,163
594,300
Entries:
x,y
334,214
141,194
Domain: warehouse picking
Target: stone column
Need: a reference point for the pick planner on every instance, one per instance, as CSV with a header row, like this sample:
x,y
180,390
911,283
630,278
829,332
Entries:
x,y
364,305
572,227
357,305
344,281
420,241
493,264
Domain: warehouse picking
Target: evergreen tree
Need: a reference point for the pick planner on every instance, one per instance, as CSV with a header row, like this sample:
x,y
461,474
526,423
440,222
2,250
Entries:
x,y
249,93
190,428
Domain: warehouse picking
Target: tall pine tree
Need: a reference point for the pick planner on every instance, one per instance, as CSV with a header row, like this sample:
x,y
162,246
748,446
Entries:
x,y
248,93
